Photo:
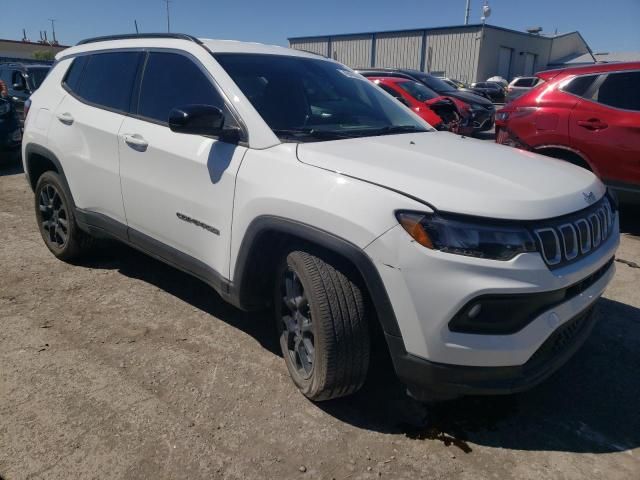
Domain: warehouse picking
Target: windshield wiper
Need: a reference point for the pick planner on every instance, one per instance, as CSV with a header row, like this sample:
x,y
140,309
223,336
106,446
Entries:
x,y
391,129
311,132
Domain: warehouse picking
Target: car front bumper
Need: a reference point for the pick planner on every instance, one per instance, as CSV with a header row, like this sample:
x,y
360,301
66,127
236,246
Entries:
x,y
428,288
483,120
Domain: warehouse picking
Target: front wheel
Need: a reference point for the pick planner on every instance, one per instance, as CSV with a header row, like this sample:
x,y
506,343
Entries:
x,y
322,326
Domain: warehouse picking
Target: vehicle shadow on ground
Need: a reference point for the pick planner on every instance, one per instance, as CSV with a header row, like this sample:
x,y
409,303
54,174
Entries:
x,y
129,262
630,219
589,406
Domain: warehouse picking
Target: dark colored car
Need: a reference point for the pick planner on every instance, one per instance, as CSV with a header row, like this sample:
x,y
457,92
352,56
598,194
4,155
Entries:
x,y
10,131
482,110
589,116
443,113
463,87
494,91
22,79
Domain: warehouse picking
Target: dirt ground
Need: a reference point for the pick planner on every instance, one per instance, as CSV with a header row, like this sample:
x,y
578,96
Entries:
x,y
122,367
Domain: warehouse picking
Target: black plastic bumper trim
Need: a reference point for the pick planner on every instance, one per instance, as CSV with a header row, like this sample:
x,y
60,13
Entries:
x,y
429,380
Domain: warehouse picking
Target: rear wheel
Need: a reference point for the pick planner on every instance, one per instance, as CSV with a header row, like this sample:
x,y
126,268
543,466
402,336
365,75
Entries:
x,y
323,331
56,219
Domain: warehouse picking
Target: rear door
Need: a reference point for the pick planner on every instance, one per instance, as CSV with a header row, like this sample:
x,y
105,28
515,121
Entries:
x,y
86,125
178,188
605,125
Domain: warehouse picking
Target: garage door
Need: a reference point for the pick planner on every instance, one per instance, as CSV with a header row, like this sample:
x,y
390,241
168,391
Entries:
x,y
529,64
504,62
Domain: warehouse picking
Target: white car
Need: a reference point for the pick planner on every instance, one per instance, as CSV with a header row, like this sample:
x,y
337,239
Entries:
x,y
285,179
521,85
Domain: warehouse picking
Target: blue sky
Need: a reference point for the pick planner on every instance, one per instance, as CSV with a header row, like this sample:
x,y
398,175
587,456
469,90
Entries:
x,y
607,26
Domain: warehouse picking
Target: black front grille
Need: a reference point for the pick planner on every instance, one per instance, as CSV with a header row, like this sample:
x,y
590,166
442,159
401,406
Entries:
x,y
572,237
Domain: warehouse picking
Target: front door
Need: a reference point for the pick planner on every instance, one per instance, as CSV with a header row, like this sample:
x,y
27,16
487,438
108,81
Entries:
x,y
177,188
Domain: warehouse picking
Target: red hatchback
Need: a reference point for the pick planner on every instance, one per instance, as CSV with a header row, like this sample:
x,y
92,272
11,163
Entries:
x,y
443,113
589,116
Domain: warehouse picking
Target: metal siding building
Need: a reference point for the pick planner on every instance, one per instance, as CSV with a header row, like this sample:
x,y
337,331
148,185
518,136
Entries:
x,y
469,53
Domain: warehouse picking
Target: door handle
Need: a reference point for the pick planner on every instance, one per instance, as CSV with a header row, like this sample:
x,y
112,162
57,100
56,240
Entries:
x,y
135,141
65,118
593,124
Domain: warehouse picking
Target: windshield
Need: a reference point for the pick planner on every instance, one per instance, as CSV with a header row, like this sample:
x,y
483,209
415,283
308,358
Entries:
x,y
308,99
435,83
418,91
36,77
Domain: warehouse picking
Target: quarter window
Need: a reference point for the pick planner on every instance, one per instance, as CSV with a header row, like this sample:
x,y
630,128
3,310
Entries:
x,y
108,79
579,85
72,78
172,80
620,90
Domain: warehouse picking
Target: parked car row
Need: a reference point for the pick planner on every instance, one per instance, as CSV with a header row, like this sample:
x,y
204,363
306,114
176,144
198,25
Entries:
x,y
481,110
443,113
588,116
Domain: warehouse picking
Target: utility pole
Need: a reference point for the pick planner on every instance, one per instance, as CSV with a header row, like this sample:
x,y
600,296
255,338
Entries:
x,y
135,22
466,13
168,17
53,29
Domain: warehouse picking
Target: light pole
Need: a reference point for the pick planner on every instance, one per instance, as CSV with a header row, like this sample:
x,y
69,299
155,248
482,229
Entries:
x,y
168,17
53,29
466,12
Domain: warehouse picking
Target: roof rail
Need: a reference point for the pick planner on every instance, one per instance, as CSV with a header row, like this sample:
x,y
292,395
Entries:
x,y
131,36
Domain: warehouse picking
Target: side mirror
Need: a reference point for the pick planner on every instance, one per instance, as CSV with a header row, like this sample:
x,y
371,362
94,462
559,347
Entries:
x,y
197,120
18,87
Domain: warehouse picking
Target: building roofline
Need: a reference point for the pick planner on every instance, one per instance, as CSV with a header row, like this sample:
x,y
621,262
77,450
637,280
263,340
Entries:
x,y
34,43
427,29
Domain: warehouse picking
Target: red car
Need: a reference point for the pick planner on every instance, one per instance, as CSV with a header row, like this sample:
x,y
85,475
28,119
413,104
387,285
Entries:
x,y
443,113
589,116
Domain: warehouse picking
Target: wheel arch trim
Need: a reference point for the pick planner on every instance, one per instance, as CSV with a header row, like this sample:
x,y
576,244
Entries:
x,y
333,243
35,149
585,159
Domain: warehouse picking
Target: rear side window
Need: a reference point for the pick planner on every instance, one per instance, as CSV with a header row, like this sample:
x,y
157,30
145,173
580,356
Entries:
x,y
172,80
579,85
389,90
620,90
525,82
108,78
72,78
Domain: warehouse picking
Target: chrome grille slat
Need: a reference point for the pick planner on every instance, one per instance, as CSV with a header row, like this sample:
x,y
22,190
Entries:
x,y
577,236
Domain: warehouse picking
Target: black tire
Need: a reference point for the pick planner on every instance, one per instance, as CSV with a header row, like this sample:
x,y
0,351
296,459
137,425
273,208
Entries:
x,y
57,221
330,316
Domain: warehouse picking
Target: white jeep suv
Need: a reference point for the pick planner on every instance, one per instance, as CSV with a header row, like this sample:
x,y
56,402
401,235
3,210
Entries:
x,y
285,179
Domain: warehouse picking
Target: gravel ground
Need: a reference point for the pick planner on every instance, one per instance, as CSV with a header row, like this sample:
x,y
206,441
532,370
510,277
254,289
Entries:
x,y
122,367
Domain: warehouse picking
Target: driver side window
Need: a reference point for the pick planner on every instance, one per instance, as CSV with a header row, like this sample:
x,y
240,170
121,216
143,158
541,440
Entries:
x,y
172,80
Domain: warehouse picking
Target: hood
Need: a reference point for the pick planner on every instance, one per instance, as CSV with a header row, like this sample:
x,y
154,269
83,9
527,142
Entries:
x,y
470,98
459,174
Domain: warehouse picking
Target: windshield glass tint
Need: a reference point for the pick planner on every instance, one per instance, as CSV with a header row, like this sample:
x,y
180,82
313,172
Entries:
x,y
308,99
36,77
435,83
418,91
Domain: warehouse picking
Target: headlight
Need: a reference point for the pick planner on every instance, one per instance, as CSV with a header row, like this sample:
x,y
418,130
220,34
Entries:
x,y
502,116
470,238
